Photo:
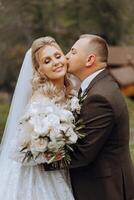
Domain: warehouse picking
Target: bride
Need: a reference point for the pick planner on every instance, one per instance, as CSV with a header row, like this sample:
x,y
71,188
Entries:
x,y
46,66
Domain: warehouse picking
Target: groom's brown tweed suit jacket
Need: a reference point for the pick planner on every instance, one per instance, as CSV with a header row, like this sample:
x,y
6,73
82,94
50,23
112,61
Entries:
x,y
101,167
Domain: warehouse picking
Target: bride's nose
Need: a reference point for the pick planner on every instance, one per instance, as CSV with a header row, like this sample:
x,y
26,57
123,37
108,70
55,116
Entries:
x,y
55,62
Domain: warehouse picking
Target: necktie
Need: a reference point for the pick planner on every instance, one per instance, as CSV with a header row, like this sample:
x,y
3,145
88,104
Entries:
x,y
79,93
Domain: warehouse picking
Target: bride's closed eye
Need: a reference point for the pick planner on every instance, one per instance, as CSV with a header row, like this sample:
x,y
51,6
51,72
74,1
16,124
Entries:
x,y
47,60
58,55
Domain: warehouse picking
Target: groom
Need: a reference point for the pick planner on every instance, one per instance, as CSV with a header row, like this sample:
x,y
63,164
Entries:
x,y
101,168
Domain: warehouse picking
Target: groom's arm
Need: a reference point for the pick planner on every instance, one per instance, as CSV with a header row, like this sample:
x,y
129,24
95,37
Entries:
x,y
98,118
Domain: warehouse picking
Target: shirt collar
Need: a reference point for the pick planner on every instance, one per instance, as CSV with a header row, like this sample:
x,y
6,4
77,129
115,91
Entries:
x,y
85,83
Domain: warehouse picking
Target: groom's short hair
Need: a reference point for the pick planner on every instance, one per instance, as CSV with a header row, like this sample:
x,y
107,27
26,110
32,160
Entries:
x,y
97,45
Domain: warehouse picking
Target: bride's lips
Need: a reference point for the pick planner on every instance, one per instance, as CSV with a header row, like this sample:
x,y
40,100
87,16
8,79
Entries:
x,y
58,69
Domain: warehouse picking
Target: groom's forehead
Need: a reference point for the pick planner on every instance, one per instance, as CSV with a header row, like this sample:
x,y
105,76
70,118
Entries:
x,y
82,43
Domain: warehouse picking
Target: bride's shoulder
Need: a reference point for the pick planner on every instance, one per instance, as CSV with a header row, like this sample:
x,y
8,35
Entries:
x,y
38,96
37,102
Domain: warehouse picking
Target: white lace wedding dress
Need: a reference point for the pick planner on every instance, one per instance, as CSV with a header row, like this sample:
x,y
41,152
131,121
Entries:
x,y
20,182
33,183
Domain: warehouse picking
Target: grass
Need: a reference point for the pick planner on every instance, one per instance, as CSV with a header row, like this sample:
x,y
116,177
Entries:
x,y
4,108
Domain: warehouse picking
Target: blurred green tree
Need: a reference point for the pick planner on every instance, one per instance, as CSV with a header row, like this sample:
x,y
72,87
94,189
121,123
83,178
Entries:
x,y
23,21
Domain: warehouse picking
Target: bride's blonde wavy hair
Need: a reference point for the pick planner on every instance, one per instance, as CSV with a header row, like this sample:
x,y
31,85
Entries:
x,y
39,80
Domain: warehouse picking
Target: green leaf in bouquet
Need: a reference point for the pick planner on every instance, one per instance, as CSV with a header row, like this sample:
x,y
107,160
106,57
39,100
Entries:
x,y
81,135
24,148
80,121
82,98
80,127
69,147
35,157
51,159
28,156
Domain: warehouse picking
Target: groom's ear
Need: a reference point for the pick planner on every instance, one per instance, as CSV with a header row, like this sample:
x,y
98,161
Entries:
x,y
90,60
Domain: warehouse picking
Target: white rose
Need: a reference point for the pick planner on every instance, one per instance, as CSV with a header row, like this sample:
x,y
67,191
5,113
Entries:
x,y
64,127
55,134
49,109
24,130
55,146
72,136
41,125
66,116
75,104
39,145
54,120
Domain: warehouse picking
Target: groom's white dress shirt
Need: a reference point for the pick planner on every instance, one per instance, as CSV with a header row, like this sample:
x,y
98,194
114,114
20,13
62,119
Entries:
x,y
85,83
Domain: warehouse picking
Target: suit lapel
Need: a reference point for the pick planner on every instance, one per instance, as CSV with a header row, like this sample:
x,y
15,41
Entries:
x,y
101,75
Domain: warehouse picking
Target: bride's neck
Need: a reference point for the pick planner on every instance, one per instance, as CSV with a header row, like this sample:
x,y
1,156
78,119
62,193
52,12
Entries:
x,y
59,83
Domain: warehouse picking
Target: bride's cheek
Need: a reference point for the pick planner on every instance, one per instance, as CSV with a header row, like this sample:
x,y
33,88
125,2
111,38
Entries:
x,y
63,60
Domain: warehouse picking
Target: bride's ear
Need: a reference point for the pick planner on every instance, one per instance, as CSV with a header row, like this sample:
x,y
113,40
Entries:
x,y
90,60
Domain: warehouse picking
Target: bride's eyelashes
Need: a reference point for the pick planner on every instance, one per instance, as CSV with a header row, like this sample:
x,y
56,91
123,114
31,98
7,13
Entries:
x,y
48,60
58,55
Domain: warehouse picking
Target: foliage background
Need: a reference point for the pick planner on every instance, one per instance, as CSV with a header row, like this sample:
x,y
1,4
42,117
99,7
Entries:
x,y
22,21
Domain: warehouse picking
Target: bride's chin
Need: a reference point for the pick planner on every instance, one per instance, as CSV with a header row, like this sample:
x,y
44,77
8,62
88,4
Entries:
x,y
58,77
61,73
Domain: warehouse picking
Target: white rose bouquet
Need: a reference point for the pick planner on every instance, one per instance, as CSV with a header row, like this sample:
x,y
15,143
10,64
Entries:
x,y
46,132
